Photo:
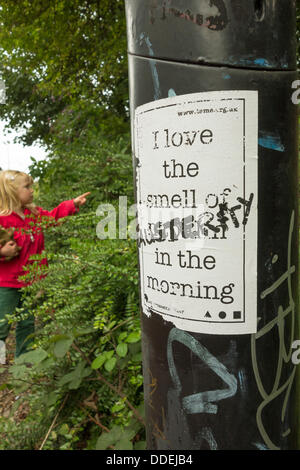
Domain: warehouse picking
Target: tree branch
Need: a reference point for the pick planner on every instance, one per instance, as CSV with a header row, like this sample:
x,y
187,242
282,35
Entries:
x,y
111,386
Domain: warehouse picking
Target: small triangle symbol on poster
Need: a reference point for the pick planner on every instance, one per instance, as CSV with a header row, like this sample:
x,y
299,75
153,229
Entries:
x,y
207,315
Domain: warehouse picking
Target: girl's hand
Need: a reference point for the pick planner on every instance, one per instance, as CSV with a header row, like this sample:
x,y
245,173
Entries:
x,y
80,200
9,249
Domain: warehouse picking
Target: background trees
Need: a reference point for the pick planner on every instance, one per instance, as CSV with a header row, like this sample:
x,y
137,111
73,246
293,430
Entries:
x,y
65,67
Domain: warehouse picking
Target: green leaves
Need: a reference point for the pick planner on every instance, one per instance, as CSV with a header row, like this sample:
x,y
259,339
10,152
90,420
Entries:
x,y
45,47
122,349
109,359
99,361
118,438
62,346
123,437
87,342
105,358
32,357
134,337
74,379
110,364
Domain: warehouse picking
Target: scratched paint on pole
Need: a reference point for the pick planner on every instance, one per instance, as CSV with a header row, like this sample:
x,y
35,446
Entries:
x,y
196,180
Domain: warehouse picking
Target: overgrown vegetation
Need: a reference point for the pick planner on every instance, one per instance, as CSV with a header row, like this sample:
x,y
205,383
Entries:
x,y
65,68
86,361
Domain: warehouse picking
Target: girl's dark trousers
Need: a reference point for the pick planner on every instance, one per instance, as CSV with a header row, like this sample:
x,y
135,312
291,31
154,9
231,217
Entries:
x,y
10,299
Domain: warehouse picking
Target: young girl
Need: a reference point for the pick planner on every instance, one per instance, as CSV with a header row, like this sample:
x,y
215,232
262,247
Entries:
x,y
17,210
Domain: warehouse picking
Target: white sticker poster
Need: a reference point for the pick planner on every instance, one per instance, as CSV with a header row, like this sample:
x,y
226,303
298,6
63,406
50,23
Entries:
x,y
196,182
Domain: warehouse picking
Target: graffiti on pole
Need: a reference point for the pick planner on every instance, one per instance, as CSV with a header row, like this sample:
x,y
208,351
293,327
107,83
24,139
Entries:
x,y
286,359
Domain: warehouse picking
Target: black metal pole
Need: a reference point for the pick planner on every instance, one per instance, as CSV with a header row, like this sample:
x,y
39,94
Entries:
x,y
214,134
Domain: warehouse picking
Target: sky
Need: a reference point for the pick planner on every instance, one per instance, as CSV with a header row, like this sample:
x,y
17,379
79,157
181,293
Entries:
x,y
16,156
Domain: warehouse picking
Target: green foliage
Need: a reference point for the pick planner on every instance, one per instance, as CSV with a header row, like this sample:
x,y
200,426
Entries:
x,y
120,438
72,59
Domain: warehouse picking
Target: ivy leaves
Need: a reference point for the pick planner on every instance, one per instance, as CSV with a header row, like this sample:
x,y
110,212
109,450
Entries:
x,y
88,340
109,359
62,345
121,437
74,379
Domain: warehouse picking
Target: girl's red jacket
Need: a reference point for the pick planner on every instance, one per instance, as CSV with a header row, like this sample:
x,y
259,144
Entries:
x,y
29,236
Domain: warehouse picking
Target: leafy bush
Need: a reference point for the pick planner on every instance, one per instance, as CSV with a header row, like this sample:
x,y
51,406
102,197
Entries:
x,y
83,377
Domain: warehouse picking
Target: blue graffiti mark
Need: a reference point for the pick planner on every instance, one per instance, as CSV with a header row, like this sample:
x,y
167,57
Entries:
x,y
262,63
149,45
242,381
271,141
203,402
250,61
226,76
171,93
260,446
157,94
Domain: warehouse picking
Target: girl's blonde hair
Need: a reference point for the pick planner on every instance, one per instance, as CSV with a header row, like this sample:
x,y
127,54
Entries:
x,y
9,199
